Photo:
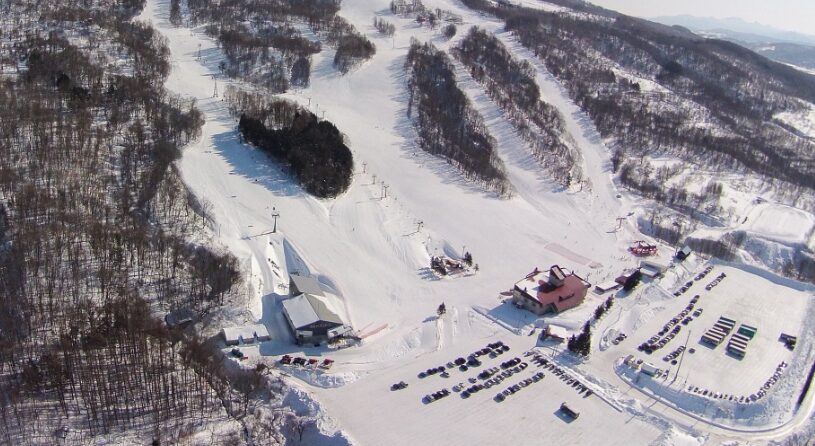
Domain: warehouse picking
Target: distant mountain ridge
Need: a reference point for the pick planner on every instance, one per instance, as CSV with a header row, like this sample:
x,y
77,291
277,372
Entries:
x,y
782,46
737,28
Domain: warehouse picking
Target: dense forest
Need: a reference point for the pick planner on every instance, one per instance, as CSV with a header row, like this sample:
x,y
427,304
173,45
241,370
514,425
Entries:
x,y
95,230
706,101
511,84
313,150
447,124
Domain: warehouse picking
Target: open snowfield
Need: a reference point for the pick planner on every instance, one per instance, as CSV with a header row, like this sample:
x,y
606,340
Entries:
x,y
781,223
372,252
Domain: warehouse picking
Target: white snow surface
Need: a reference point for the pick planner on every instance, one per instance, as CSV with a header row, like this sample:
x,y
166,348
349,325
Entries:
x,y
368,251
781,223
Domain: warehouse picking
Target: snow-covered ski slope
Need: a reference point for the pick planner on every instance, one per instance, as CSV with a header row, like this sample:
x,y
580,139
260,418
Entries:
x,y
374,253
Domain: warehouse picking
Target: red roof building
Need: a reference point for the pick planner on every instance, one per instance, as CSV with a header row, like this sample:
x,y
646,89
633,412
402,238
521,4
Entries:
x,y
559,292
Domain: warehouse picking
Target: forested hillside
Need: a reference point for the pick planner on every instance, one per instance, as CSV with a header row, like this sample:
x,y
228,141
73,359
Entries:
x,y
656,90
95,227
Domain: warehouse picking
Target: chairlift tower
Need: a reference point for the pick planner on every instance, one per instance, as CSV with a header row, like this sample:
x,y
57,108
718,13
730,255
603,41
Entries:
x,y
275,215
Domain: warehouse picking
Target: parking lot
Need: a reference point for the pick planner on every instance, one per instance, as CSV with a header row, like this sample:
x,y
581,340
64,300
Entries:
x,y
526,416
738,296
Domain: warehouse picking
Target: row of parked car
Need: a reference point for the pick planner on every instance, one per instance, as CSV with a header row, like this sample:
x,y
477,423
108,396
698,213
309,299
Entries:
x,y
492,350
683,288
715,281
515,388
581,388
743,399
492,376
307,362
674,354
770,382
435,396
670,329
704,273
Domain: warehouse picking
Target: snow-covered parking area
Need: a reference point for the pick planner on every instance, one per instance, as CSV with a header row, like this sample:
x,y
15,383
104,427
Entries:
x,y
373,414
763,302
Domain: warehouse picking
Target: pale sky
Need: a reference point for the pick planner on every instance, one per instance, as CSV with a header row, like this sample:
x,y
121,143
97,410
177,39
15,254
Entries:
x,y
791,15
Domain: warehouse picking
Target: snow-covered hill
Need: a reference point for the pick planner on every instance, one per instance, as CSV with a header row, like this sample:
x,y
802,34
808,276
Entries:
x,y
374,251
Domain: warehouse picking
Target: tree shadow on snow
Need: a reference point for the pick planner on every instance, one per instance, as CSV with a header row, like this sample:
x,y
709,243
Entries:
x,y
427,274
255,165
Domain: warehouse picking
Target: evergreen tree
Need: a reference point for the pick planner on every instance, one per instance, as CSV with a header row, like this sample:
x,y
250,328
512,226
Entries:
x,y
633,281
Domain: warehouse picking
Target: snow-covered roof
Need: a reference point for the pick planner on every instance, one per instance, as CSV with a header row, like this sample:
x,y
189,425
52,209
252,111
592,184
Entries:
x,y
649,271
606,286
247,332
557,332
656,266
307,309
558,290
306,284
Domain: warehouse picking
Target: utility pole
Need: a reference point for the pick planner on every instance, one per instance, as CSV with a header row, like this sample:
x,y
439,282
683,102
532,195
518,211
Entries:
x,y
681,357
374,179
275,215
364,166
384,190
215,91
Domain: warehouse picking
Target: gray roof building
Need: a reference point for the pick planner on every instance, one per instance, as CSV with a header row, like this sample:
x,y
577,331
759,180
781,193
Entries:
x,y
304,284
314,319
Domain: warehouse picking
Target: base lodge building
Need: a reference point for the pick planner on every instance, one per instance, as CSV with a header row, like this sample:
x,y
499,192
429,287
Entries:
x,y
557,293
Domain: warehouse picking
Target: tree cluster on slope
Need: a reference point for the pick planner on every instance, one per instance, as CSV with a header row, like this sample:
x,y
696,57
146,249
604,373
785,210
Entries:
x,y
264,47
511,84
384,27
447,124
314,150
422,15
